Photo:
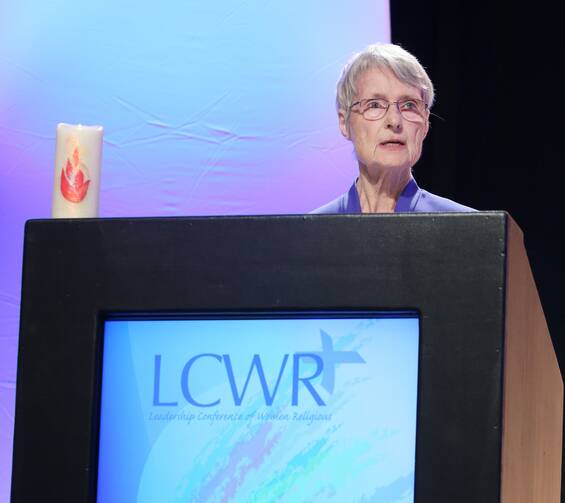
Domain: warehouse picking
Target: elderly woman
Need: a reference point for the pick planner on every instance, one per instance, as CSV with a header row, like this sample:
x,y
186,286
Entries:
x,y
383,103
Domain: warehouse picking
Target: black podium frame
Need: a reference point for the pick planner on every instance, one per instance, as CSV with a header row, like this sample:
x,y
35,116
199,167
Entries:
x,y
451,268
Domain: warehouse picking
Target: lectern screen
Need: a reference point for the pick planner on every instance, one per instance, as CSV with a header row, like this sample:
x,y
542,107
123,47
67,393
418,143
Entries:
x,y
299,409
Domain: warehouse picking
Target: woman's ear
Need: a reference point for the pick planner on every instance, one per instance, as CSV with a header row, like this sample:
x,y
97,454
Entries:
x,y
343,125
427,126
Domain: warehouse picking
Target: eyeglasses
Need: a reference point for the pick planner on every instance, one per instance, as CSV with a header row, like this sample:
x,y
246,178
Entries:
x,y
374,109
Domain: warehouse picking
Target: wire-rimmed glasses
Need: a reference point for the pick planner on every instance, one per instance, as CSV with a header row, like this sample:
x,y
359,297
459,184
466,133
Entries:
x,y
373,109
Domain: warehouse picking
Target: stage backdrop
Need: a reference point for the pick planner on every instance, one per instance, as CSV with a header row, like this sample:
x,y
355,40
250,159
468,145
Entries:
x,y
224,107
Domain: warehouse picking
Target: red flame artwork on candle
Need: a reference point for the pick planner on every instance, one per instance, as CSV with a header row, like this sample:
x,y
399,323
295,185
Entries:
x,y
74,178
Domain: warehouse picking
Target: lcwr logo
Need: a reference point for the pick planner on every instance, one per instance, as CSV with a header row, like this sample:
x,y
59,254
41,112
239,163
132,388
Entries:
x,y
325,362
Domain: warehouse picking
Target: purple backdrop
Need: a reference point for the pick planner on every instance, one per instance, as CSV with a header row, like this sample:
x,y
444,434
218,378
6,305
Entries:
x,y
208,109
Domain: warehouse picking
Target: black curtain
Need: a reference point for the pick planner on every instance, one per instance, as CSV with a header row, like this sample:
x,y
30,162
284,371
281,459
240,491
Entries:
x,y
498,75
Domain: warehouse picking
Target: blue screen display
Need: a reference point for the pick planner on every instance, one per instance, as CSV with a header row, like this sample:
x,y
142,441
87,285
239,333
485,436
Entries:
x,y
259,410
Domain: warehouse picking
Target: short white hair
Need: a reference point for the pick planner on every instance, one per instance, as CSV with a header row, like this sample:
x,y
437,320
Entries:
x,y
404,65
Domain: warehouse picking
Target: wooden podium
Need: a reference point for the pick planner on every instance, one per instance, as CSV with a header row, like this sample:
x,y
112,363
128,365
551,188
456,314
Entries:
x,y
490,393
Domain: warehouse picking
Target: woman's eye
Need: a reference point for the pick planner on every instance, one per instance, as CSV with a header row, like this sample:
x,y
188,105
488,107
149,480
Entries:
x,y
409,105
376,104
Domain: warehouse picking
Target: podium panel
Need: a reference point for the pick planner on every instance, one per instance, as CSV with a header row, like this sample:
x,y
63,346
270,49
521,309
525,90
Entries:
x,y
488,411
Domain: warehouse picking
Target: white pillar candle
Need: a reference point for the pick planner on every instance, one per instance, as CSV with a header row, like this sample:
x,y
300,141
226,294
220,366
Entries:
x,y
78,158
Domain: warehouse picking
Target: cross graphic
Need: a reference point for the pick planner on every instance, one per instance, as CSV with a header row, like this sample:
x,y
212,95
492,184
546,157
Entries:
x,y
331,358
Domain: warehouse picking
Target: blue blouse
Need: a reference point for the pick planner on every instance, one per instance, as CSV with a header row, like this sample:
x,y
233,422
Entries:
x,y
412,199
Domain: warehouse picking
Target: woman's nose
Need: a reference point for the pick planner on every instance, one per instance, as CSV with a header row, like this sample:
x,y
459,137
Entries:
x,y
393,118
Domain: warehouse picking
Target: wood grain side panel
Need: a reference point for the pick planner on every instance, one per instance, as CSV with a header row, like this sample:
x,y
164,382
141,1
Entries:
x,y
533,390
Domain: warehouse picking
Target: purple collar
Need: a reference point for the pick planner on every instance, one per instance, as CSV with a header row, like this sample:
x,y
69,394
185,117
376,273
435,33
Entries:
x,y
406,201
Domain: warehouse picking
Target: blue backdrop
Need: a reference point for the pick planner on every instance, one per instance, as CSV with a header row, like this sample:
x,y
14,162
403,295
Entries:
x,y
224,107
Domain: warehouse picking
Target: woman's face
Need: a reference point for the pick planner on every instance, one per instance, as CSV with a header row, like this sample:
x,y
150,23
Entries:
x,y
391,142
